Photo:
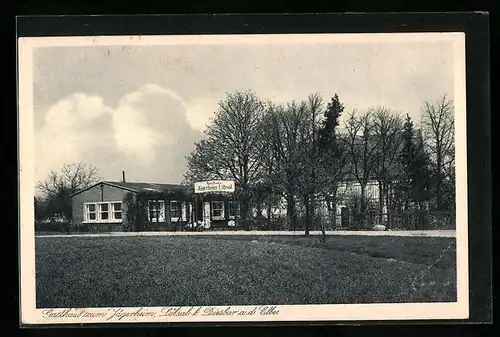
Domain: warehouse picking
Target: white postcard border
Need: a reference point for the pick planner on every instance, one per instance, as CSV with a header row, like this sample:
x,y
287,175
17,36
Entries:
x,y
334,312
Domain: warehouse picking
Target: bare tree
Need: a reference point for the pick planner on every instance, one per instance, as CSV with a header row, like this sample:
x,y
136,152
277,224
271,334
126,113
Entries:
x,y
449,173
388,129
203,163
362,146
59,185
70,179
270,183
230,148
439,136
289,125
310,178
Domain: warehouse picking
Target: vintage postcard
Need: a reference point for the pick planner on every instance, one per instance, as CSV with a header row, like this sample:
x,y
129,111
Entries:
x,y
243,178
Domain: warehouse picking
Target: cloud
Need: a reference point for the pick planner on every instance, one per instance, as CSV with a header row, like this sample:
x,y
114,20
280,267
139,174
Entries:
x,y
67,127
132,133
200,111
77,107
147,133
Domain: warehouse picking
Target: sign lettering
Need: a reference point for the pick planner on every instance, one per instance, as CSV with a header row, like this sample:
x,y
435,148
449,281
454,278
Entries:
x,y
214,186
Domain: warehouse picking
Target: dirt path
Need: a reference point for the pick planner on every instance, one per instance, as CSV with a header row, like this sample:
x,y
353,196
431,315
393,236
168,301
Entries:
x,y
429,233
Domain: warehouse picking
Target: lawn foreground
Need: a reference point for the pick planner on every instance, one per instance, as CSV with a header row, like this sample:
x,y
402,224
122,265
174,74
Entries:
x,y
235,270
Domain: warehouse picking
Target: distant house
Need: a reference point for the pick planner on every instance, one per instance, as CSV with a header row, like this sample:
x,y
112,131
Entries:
x,y
127,206
347,191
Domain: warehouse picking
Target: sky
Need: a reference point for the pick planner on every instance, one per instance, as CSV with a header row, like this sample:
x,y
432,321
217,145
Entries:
x,y
141,109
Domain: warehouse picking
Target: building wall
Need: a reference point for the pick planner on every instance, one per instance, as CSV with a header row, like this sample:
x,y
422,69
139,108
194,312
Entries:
x,y
98,193
165,222
352,188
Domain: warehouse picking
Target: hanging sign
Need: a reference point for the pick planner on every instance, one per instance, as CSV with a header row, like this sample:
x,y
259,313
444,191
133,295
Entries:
x,y
214,186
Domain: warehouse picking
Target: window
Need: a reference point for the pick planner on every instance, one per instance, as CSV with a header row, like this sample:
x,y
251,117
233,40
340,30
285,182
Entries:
x,y
102,212
90,212
175,210
117,210
156,210
217,210
234,209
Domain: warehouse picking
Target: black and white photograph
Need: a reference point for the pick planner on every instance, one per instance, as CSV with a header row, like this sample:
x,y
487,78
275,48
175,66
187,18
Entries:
x,y
188,178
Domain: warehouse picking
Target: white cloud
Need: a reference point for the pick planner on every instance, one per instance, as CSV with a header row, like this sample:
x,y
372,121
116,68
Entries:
x,y
66,131
89,107
132,133
200,111
197,112
145,127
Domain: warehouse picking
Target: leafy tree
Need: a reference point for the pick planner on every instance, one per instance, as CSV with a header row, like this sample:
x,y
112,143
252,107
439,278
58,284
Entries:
x,y
406,160
328,131
334,155
415,166
38,208
421,172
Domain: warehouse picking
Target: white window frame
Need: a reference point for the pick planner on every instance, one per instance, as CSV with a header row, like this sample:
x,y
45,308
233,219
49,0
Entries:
x,y
212,209
98,212
160,210
87,212
113,211
179,210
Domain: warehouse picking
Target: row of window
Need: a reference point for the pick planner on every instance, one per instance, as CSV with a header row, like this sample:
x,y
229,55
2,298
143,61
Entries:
x,y
112,211
103,212
156,211
218,210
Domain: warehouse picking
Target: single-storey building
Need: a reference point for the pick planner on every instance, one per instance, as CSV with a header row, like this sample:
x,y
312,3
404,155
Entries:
x,y
139,206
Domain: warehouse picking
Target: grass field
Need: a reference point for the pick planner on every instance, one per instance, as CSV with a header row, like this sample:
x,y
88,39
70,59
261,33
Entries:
x,y
237,270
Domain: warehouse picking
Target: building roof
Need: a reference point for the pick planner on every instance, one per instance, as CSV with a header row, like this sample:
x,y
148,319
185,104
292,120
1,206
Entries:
x,y
136,187
142,186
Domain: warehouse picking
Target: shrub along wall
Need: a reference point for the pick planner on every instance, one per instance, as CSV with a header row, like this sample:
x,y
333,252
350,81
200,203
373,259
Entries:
x,y
52,226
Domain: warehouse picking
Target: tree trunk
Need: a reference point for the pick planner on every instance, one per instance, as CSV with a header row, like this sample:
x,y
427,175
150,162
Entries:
x,y
245,211
168,216
388,204
323,232
290,211
307,204
421,215
331,215
362,208
407,196
314,219
381,191
269,215
438,180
